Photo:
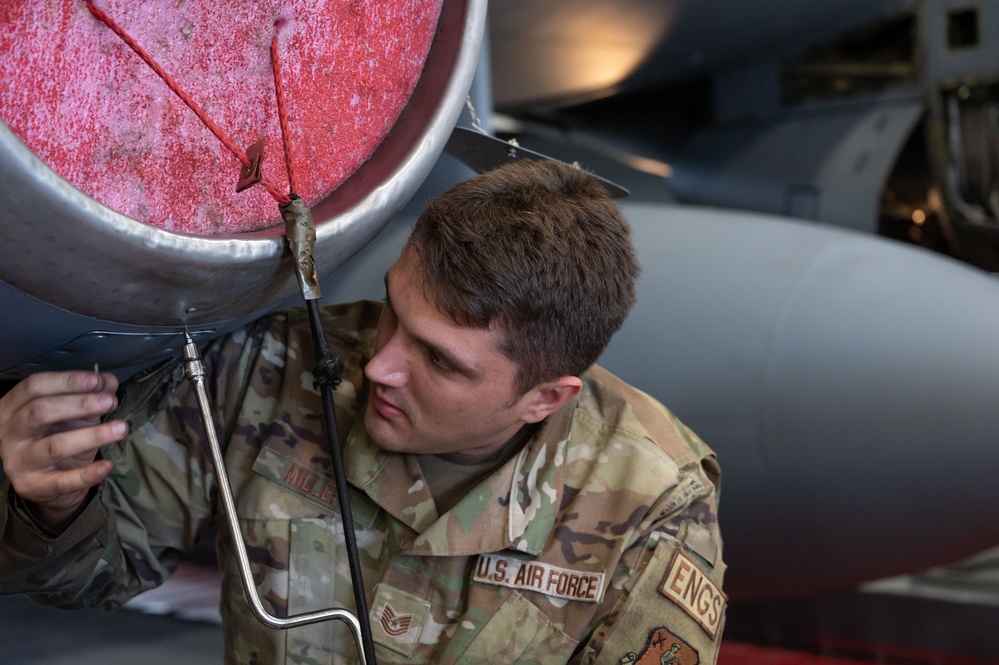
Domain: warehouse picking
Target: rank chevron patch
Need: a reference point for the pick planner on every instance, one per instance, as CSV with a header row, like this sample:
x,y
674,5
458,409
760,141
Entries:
x,y
394,624
397,619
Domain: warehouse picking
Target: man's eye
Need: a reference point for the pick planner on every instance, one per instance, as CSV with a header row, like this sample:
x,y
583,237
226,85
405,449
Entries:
x,y
438,360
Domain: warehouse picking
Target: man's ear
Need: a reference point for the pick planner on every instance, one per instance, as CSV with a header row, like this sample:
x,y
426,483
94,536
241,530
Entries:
x,y
550,396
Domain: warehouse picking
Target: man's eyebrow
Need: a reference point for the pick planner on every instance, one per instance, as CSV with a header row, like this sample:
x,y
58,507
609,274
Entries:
x,y
452,360
448,357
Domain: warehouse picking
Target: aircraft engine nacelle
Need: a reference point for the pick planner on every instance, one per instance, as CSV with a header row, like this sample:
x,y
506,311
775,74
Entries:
x,y
81,282
847,383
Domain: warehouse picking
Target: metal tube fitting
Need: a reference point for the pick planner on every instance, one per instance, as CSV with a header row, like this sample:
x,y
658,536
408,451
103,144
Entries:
x,y
194,371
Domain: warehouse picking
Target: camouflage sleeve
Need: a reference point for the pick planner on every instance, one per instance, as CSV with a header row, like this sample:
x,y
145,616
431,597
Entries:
x,y
161,495
31,556
156,503
667,605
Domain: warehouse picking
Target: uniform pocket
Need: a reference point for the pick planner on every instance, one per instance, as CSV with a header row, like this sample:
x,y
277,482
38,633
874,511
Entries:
x,y
293,532
312,585
516,631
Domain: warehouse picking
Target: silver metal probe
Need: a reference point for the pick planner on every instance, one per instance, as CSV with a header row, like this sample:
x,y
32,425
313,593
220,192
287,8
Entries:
x,y
194,370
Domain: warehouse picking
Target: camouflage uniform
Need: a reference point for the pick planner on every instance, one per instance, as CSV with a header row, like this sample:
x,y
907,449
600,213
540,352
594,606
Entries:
x,y
597,542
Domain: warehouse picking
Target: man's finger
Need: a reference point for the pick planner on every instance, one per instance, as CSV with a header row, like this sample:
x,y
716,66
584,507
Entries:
x,y
60,383
45,384
60,490
67,483
56,495
43,413
57,448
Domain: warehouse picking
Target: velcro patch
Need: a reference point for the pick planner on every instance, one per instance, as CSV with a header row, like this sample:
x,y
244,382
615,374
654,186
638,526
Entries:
x,y
695,592
397,619
298,478
311,484
541,577
663,648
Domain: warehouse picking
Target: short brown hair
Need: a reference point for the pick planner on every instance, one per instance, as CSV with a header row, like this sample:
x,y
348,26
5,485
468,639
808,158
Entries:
x,y
539,249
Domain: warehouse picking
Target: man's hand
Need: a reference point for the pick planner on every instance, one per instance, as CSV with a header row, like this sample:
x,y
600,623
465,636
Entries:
x,y
50,432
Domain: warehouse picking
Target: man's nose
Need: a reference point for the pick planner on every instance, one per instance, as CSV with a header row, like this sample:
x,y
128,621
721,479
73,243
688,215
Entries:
x,y
389,366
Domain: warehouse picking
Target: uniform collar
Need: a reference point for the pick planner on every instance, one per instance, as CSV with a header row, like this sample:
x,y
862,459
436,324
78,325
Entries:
x,y
514,508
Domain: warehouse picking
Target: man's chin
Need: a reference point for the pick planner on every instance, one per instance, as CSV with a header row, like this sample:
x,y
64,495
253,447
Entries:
x,y
381,432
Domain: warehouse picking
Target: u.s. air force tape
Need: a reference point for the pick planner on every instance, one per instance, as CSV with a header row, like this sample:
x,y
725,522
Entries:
x,y
541,577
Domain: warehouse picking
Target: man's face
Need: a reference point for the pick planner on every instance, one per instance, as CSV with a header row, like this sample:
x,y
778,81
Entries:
x,y
437,386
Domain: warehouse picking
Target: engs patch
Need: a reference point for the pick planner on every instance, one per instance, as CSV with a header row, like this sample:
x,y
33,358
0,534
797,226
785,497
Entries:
x,y
695,592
